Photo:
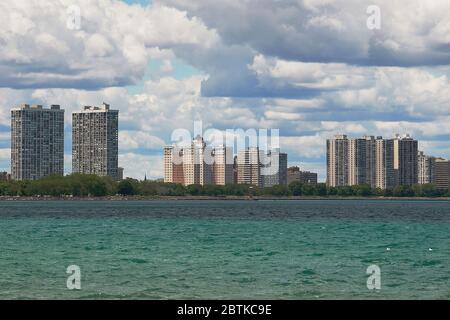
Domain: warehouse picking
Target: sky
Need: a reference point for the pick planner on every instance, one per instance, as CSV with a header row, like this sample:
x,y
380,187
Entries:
x,y
311,68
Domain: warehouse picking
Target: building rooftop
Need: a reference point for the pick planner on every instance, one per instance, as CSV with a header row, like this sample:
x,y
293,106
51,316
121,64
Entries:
x,y
55,107
406,136
103,108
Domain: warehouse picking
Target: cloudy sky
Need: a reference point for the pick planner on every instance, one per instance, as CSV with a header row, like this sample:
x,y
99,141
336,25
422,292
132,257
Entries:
x,y
311,68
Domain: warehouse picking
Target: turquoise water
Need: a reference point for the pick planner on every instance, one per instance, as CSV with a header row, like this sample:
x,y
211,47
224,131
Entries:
x,y
225,249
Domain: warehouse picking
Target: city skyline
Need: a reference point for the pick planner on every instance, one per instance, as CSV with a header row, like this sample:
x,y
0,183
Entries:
x,y
377,162
383,163
167,63
220,156
373,161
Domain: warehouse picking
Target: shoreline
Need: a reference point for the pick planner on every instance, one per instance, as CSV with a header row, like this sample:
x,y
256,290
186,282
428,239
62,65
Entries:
x,y
209,198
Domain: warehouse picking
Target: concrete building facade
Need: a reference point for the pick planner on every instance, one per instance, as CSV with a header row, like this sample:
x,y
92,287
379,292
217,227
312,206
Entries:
x,y
442,178
274,168
386,176
338,161
5,176
426,168
405,159
37,142
198,164
377,162
95,141
249,166
304,177
222,168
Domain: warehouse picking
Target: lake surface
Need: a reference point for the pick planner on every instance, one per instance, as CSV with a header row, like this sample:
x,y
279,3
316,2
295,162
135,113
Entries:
x,y
225,249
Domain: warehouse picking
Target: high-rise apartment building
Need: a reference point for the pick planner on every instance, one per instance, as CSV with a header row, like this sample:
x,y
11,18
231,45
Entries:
x,y
442,178
37,142
173,166
377,162
361,161
386,176
274,168
426,168
120,172
356,162
168,164
235,170
338,161
370,163
405,159
249,166
198,164
222,165
95,143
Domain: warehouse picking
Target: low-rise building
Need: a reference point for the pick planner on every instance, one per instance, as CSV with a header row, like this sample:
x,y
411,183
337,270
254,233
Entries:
x,y
305,177
5,176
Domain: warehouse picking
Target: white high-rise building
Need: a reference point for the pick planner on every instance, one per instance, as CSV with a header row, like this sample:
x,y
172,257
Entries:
x,y
222,165
198,164
338,161
426,168
249,166
385,172
196,168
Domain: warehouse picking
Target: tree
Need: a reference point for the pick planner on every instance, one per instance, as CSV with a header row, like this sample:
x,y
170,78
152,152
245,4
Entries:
x,y
403,191
321,189
308,189
429,190
296,188
362,190
345,191
332,191
194,189
279,190
126,188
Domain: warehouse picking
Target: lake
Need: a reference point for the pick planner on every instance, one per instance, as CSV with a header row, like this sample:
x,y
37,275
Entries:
x,y
287,249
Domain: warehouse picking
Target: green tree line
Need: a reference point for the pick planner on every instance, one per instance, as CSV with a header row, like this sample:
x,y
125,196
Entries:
x,y
79,185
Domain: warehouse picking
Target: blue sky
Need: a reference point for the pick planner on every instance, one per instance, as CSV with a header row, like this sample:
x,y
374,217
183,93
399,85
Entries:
x,y
310,68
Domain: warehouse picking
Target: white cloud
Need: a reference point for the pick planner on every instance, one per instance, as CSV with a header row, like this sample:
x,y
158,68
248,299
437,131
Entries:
x,y
152,166
305,146
129,140
331,31
5,154
112,47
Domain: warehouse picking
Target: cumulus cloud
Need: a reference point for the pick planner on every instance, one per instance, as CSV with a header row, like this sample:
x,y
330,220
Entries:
x,y
412,33
112,47
151,166
332,33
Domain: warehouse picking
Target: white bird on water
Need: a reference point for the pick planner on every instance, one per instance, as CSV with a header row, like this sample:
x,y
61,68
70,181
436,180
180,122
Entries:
x,y
388,249
429,249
